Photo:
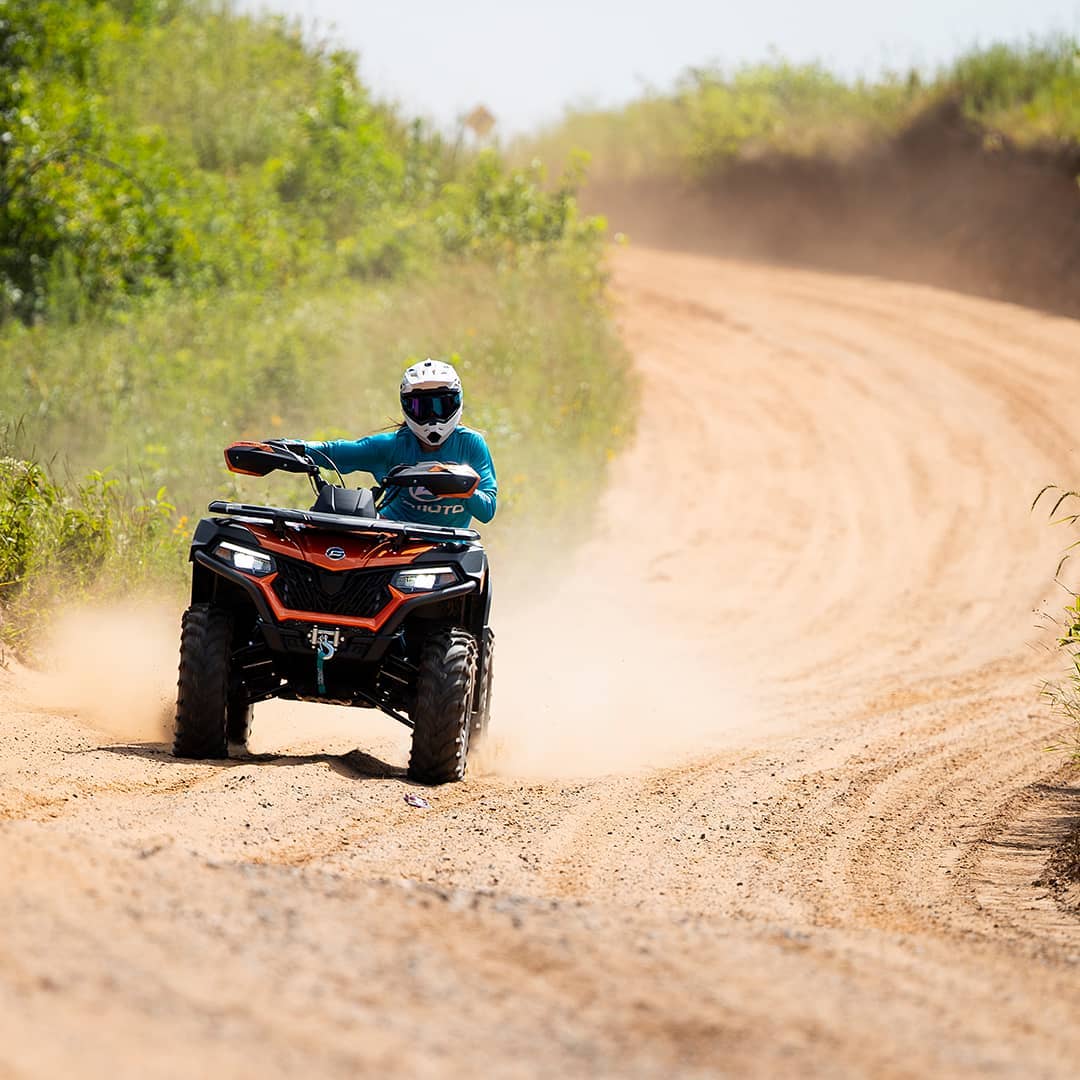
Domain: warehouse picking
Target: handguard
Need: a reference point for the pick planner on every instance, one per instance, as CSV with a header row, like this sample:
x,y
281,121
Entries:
x,y
444,479
262,458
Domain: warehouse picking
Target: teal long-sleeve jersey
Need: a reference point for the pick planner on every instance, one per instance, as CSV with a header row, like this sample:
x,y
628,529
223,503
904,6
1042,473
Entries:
x,y
378,454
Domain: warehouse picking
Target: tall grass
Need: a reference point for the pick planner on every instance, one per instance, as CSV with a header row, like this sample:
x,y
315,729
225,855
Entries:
x,y
1063,696
159,394
1029,94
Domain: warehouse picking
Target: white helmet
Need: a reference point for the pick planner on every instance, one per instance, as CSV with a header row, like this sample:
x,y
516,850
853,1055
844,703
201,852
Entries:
x,y
431,401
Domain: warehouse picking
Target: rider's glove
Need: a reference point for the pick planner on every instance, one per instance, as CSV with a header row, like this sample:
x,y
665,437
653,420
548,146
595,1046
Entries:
x,y
295,446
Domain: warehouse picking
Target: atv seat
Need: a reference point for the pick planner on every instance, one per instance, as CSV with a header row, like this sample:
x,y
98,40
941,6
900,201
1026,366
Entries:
x,y
339,500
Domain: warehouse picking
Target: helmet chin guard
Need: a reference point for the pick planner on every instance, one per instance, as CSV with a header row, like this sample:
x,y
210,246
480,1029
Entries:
x,y
433,435
431,401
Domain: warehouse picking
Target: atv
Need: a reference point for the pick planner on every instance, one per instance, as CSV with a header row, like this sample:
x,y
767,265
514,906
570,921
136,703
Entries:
x,y
337,605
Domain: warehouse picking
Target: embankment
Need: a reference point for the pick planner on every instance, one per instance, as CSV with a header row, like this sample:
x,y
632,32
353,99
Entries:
x,y
943,203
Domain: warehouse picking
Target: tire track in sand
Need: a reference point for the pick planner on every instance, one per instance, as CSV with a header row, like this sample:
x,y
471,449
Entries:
x,y
802,845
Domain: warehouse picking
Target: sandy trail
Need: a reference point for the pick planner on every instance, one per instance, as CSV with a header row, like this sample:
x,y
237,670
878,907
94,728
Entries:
x,y
814,850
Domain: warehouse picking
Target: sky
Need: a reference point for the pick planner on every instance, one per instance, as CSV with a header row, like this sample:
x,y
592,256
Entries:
x,y
526,63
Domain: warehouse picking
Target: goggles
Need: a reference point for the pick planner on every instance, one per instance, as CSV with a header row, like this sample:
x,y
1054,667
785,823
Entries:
x,y
431,406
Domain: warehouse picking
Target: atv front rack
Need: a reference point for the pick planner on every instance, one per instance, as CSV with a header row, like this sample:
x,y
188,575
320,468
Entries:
x,y
273,515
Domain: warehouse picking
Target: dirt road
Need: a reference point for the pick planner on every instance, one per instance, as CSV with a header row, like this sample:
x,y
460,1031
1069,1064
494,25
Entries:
x,y
785,817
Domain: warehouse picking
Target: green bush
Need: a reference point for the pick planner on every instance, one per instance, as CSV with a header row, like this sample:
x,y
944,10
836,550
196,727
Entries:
x,y
147,146
61,543
1029,94
713,116
42,526
1064,696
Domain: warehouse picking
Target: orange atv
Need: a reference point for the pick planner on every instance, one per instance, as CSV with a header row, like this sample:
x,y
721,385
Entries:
x,y
338,605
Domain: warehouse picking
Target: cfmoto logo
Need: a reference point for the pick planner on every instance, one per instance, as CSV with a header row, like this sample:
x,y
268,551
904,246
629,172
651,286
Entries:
x,y
335,553
427,502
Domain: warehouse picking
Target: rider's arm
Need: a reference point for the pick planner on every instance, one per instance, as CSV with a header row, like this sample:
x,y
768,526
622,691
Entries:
x,y
482,502
372,454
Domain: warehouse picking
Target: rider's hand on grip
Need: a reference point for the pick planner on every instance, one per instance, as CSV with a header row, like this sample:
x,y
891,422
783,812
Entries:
x,y
295,446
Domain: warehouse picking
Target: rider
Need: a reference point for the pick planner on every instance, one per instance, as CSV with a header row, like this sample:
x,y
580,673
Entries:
x,y
432,431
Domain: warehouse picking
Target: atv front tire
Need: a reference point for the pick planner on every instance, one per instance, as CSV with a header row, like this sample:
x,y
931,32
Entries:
x,y
444,701
203,691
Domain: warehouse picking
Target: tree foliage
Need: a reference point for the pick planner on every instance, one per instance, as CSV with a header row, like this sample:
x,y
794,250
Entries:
x,y
154,144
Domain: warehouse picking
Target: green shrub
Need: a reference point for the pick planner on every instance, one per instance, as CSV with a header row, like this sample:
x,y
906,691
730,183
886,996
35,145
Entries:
x,y
713,116
49,538
153,146
1064,696
1029,94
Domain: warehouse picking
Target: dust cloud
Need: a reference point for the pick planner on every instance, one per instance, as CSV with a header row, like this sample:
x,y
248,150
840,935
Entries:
x,y
938,204
112,668
589,682
301,727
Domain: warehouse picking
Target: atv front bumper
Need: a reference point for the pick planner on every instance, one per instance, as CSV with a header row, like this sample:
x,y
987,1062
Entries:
x,y
294,635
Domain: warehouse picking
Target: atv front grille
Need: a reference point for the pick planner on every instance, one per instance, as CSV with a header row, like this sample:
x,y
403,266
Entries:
x,y
302,587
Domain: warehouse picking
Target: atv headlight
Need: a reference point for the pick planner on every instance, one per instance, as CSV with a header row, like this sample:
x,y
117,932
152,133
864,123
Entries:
x,y
246,559
424,578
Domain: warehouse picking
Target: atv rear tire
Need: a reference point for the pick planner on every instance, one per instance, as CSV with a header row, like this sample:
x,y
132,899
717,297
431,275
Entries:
x,y
481,717
203,690
238,717
444,702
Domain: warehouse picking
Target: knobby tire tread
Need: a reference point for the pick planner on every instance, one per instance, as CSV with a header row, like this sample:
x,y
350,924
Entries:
x,y
203,687
444,699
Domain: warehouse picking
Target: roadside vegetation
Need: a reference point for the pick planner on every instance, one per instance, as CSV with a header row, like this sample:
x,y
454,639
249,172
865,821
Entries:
x,y
1064,696
210,230
1029,94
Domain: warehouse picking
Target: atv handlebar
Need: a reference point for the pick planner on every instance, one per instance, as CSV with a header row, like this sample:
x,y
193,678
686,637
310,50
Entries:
x,y
442,479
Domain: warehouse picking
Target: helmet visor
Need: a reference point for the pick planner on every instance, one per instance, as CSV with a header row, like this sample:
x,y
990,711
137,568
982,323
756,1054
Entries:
x,y
431,406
